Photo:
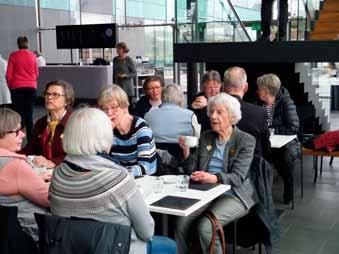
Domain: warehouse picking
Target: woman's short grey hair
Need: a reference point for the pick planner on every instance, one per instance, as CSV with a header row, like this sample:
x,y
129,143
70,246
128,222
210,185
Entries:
x,y
113,93
271,82
173,94
9,121
230,103
88,131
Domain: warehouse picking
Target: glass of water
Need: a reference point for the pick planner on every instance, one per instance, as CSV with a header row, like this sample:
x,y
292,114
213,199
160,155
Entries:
x,y
158,185
183,182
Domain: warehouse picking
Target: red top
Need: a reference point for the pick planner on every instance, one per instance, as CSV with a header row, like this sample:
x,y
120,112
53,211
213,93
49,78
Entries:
x,y
22,69
39,144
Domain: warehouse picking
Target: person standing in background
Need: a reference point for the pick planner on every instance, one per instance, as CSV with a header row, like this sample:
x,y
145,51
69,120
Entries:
x,y
39,58
266,19
124,70
22,74
5,96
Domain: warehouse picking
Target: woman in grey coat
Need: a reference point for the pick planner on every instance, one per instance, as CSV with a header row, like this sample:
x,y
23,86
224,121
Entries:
x,y
224,156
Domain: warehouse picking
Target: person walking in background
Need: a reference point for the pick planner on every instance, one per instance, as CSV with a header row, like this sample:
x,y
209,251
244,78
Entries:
x,y
266,19
40,59
5,96
124,70
22,74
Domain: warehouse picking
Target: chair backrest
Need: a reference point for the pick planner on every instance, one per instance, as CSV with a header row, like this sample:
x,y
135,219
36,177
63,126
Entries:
x,y
12,238
77,235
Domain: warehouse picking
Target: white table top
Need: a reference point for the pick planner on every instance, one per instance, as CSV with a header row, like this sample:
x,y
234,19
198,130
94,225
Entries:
x,y
145,183
278,141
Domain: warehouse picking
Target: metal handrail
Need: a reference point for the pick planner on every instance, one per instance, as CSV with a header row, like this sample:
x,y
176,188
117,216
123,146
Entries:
x,y
239,20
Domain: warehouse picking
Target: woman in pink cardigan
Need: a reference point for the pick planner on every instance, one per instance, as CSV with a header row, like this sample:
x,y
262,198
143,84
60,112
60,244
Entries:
x,y
19,185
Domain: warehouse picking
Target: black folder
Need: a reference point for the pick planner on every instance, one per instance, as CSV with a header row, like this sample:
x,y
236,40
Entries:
x,y
174,202
202,187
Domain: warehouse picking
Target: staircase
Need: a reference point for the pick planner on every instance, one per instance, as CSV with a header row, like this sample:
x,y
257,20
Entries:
x,y
327,26
314,102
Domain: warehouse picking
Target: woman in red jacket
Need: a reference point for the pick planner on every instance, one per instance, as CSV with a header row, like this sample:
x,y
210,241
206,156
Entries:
x,y
48,130
22,75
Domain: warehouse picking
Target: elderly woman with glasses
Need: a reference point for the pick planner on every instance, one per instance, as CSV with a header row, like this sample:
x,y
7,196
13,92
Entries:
x,y
152,87
48,130
224,156
133,145
19,185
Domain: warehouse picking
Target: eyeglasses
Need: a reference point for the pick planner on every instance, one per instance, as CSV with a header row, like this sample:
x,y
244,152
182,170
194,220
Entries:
x,y
16,131
154,88
110,108
53,95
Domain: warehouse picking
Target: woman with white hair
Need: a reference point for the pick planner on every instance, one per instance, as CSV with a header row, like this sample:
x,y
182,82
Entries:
x,y
86,185
133,145
224,156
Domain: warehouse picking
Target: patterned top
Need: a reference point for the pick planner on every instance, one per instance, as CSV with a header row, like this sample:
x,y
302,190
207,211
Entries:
x,y
270,113
136,149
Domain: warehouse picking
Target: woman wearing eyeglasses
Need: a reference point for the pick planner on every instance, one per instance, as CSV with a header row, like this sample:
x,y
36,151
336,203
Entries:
x,y
48,130
20,186
133,146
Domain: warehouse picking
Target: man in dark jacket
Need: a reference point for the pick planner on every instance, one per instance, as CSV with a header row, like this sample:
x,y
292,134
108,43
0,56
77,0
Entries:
x,y
211,83
283,117
254,118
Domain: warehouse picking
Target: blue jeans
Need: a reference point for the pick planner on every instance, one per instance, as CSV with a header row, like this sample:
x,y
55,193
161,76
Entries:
x,y
161,245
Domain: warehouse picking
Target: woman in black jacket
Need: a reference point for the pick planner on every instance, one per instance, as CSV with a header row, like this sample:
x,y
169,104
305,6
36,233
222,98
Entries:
x,y
283,118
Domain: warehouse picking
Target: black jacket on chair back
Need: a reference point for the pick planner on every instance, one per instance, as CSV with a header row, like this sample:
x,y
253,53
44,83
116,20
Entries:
x,y
77,235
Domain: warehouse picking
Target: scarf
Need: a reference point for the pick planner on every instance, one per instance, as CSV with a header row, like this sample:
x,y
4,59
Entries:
x,y
120,183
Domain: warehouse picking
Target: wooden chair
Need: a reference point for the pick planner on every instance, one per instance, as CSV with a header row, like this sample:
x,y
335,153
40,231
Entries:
x,y
316,154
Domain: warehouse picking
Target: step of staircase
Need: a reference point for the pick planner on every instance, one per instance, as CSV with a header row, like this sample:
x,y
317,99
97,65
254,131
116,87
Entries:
x,y
326,26
331,5
323,36
329,16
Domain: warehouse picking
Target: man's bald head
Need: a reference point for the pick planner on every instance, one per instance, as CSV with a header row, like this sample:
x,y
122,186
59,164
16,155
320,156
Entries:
x,y
235,81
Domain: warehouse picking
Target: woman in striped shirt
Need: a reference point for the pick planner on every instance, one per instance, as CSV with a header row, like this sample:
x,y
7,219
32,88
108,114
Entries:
x,y
133,145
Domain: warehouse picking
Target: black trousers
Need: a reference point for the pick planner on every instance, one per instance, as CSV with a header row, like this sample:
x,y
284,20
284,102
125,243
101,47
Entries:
x,y
283,160
266,17
23,100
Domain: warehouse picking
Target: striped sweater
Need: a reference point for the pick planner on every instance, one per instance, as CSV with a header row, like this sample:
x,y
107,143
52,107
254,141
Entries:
x,y
136,149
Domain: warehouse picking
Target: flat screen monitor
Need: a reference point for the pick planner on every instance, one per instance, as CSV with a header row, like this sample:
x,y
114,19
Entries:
x,y
86,36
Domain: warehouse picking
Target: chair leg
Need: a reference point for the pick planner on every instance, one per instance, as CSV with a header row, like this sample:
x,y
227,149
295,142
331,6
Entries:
x,y
235,236
301,178
315,166
292,207
321,165
331,161
259,248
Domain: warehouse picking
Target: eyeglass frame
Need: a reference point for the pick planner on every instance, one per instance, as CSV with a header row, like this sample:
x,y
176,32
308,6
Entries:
x,y
16,131
53,95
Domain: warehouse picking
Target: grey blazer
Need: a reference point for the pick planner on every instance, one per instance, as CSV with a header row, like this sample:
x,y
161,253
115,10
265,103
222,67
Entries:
x,y
239,152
